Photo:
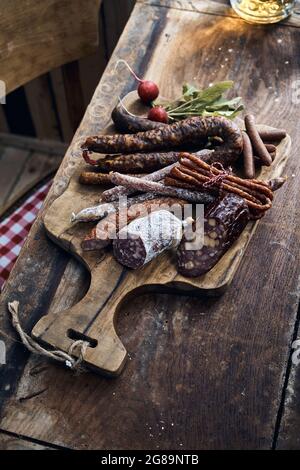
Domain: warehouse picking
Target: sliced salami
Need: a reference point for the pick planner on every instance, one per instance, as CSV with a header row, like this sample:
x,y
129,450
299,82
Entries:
x,y
147,237
223,223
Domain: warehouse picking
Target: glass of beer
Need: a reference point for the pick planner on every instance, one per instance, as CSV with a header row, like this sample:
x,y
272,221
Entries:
x,y
263,11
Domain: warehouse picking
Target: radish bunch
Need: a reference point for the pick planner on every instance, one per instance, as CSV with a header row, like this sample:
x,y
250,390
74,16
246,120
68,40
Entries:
x,y
148,91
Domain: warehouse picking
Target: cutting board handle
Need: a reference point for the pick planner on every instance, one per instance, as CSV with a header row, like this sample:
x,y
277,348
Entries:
x,y
91,319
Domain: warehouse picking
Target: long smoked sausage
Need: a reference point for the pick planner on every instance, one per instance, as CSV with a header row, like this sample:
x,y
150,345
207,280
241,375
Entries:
x,y
187,132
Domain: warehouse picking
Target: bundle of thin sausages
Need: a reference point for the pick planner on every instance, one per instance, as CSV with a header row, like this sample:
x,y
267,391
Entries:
x,y
201,176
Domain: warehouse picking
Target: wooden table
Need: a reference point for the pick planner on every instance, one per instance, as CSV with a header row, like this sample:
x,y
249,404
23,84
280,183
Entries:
x,y
204,373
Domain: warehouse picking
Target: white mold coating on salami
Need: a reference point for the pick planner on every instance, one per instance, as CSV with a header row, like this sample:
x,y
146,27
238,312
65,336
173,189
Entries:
x,y
147,237
93,213
143,185
114,193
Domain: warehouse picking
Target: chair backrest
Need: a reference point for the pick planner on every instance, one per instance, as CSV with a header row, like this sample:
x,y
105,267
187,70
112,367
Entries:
x,y
36,37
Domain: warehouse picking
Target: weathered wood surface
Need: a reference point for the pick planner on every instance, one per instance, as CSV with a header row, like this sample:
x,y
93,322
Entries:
x,y
203,373
39,99
95,314
53,117
35,40
11,442
24,163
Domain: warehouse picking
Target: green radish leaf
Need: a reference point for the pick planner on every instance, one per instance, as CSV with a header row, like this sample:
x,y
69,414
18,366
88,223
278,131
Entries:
x,y
207,102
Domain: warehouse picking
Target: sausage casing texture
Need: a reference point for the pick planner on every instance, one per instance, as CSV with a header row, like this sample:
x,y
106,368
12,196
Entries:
x,y
187,132
248,158
95,213
256,141
223,223
137,162
104,179
114,193
102,235
125,122
143,185
272,135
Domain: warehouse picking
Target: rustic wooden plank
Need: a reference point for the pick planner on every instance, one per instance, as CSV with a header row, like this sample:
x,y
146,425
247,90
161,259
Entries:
x,y
90,70
115,19
37,167
92,67
50,147
215,7
19,123
11,442
35,40
204,373
74,93
42,109
61,104
12,162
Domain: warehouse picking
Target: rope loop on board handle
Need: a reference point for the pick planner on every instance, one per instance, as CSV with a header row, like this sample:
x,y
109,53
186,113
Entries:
x,y
33,346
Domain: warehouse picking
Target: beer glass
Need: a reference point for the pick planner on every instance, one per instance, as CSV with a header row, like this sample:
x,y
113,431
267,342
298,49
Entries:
x,y
263,11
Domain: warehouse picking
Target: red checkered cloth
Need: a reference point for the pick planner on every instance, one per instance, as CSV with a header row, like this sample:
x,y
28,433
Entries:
x,y
14,230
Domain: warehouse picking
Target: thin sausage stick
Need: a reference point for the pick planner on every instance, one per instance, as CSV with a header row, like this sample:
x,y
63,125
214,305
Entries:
x,y
272,135
115,193
276,183
90,177
249,168
168,181
94,213
133,163
259,163
149,186
256,141
271,148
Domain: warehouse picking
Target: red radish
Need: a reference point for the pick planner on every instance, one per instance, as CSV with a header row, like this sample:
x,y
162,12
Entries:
x,y
147,90
158,114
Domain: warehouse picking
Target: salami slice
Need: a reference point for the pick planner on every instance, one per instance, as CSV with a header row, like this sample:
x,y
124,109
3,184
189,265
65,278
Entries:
x,y
223,223
147,237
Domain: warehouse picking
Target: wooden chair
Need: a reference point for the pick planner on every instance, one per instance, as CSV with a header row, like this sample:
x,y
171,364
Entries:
x,y
36,37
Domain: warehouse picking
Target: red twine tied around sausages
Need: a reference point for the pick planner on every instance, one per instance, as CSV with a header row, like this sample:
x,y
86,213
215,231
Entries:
x,y
216,180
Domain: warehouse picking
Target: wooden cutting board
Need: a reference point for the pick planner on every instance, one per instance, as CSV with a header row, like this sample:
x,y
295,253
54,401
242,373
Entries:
x,y
94,317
